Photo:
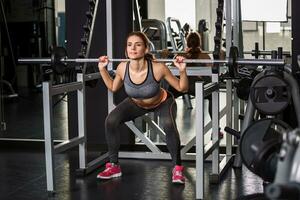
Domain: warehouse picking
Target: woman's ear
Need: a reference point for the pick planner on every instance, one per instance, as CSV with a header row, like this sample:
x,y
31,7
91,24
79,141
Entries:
x,y
147,50
187,48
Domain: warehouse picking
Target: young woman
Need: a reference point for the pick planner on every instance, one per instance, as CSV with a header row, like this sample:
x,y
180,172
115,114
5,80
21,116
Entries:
x,y
141,77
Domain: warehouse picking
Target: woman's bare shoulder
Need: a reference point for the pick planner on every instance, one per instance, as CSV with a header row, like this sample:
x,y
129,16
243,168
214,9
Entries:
x,y
121,69
158,66
204,56
159,70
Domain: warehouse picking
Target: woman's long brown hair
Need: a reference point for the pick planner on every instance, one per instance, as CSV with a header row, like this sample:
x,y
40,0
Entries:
x,y
193,42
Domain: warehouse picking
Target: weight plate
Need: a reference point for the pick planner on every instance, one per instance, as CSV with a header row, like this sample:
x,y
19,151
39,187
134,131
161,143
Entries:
x,y
259,143
57,54
270,94
232,65
243,88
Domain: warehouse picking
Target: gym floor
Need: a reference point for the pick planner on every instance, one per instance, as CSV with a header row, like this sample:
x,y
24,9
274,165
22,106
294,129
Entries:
x,y
22,168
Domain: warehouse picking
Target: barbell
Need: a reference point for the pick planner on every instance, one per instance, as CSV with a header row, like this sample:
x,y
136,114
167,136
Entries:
x,y
59,61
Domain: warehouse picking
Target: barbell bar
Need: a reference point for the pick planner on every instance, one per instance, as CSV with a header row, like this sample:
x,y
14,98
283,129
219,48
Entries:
x,y
59,61
274,62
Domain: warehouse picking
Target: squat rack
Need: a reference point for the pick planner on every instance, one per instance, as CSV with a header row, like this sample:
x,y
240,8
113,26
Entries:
x,y
202,151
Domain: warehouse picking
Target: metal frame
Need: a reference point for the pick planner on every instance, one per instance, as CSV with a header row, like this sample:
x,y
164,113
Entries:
x,y
180,34
50,149
137,16
235,105
91,34
109,45
218,168
237,39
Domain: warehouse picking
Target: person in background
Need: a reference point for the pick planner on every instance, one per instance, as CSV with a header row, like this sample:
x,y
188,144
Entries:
x,y
194,51
141,77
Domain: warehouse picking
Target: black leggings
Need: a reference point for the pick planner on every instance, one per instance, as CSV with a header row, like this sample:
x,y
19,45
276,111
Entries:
x,y
127,110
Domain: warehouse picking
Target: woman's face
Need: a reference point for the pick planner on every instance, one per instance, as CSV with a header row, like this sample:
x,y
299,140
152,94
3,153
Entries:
x,y
136,47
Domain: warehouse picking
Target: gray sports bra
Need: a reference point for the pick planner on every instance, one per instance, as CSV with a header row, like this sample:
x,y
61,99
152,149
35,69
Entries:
x,y
147,89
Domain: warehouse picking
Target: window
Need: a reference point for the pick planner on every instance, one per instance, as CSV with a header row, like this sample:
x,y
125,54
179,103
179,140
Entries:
x,y
184,11
264,10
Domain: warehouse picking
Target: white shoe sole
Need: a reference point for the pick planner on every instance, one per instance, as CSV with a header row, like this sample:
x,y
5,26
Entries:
x,y
178,181
110,177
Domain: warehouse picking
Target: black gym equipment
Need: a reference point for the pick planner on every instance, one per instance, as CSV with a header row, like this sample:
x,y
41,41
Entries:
x,y
57,54
286,184
246,76
256,52
268,147
232,62
243,88
275,86
218,36
270,93
260,144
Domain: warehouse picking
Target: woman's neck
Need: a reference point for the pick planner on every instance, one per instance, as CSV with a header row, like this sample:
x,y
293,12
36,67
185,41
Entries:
x,y
137,65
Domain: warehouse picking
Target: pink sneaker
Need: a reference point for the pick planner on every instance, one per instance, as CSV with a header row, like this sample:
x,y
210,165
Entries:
x,y
221,135
178,176
111,171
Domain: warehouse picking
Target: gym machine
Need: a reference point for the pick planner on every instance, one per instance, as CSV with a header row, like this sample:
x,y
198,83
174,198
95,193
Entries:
x,y
177,38
156,31
268,147
286,184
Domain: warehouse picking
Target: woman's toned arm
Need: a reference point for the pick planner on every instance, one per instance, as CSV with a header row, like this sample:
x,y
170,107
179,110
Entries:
x,y
112,84
180,84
